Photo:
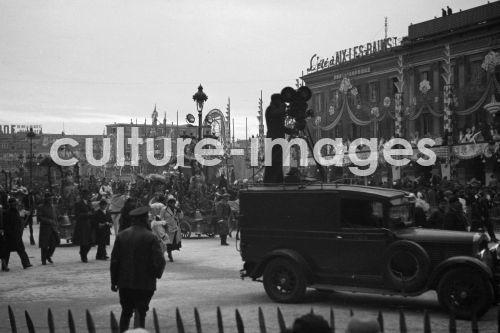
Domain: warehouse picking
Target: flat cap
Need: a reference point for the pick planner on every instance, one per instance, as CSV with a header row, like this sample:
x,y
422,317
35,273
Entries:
x,y
141,211
358,325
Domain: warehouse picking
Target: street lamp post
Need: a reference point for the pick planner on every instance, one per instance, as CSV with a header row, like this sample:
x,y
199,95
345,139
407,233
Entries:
x,y
200,98
30,136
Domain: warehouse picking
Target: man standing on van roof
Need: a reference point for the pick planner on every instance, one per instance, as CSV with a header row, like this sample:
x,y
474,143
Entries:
x,y
136,262
275,120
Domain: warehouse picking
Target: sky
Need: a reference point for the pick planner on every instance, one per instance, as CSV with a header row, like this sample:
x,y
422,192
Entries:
x,y
81,64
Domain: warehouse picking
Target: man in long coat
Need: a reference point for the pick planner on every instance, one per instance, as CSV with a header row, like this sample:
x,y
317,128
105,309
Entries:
x,y
223,214
102,225
49,236
13,232
84,233
136,262
116,204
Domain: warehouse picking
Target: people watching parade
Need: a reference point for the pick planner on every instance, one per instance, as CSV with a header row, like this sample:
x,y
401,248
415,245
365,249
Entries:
x,y
439,204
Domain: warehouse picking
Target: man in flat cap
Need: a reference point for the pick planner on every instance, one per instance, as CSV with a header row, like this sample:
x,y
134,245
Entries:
x,y
136,262
48,237
102,225
223,214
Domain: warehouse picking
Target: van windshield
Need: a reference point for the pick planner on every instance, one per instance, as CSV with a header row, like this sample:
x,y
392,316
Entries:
x,y
401,216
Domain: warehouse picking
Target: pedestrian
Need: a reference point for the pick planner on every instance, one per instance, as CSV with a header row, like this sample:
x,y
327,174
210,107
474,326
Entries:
x,y
223,214
102,226
158,205
136,263
481,215
158,227
29,205
125,218
48,237
13,227
117,202
172,216
84,234
495,212
105,191
421,208
3,242
436,218
455,219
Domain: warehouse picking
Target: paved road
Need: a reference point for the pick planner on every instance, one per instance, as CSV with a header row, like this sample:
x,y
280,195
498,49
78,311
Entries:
x,y
204,275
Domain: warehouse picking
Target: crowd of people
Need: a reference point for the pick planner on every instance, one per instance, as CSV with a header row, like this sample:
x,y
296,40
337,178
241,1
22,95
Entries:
x,y
99,211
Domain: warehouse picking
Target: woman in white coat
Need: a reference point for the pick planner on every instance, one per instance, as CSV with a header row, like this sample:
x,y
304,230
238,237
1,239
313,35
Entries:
x,y
172,216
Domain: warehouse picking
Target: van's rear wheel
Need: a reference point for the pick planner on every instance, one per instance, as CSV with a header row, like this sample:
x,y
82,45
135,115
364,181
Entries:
x,y
465,292
284,281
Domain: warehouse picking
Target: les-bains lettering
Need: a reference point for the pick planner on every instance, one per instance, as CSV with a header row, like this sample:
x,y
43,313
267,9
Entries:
x,y
316,63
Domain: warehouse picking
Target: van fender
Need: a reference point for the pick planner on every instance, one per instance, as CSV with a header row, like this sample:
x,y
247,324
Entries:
x,y
287,254
461,261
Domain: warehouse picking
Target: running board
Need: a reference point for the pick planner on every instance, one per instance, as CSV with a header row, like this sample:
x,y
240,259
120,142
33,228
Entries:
x,y
352,289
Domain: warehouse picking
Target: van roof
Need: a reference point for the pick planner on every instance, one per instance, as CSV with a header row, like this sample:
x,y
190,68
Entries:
x,y
387,193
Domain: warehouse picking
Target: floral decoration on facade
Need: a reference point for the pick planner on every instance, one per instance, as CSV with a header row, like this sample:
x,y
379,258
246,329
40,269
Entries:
x,y
317,120
424,86
491,60
345,85
375,112
354,91
387,101
331,110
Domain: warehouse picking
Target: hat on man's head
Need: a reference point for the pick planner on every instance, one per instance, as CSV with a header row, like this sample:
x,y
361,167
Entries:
x,y
171,198
357,325
496,198
141,211
225,195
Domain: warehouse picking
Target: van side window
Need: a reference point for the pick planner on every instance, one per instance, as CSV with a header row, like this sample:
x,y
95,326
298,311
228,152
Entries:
x,y
358,213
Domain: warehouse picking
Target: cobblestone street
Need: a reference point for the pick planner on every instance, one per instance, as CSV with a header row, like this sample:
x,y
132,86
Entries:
x,y
204,275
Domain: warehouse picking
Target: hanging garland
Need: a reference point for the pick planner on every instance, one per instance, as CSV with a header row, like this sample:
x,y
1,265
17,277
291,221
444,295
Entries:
x,y
480,102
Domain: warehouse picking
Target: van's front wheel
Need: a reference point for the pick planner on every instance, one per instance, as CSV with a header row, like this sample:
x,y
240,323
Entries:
x,y
284,281
466,293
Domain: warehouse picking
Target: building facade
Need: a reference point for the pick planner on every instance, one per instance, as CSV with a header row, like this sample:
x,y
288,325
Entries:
x,y
440,82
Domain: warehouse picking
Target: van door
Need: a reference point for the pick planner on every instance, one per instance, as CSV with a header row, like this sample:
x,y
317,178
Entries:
x,y
361,240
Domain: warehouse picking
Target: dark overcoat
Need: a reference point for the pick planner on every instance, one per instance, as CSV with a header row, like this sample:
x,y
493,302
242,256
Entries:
x,y
84,233
49,235
3,241
136,259
101,222
13,228
223,214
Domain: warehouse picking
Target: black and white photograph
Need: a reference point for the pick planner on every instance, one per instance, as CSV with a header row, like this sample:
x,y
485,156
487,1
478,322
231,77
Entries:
x,y
249,166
